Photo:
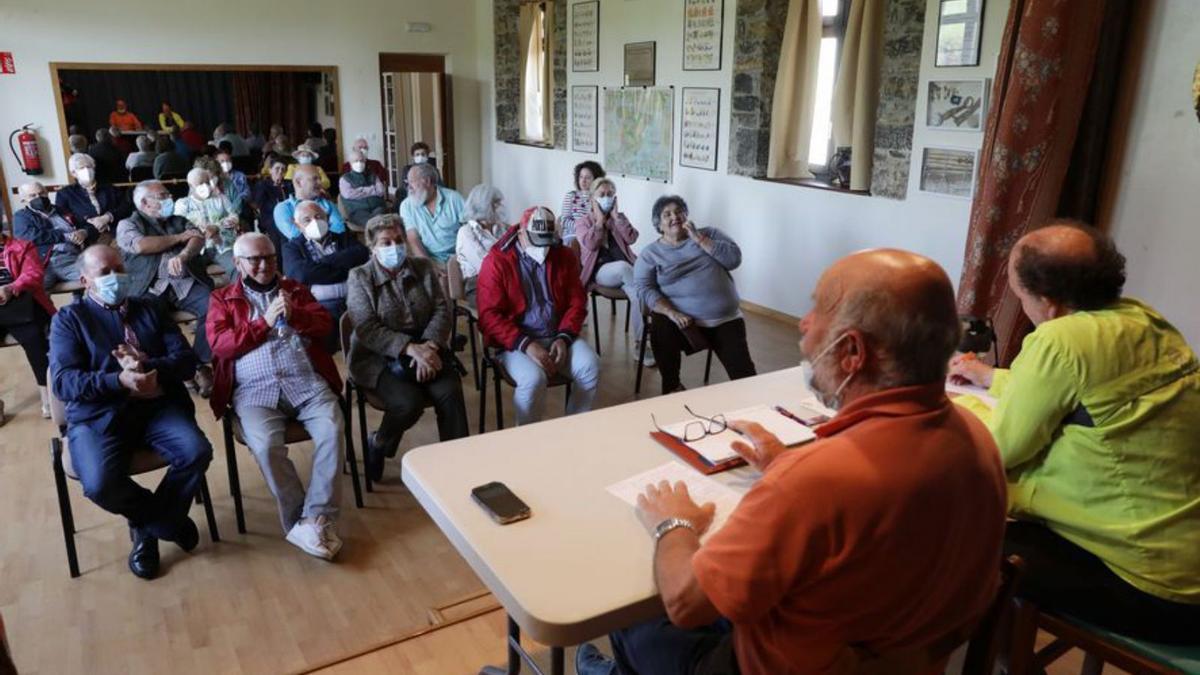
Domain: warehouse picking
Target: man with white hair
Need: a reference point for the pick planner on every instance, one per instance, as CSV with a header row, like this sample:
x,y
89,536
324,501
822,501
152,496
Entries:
x,y
374,166
145,154
163,255
89,202
224,134
432,215
306,183
267,332
362,192
58,242
119,364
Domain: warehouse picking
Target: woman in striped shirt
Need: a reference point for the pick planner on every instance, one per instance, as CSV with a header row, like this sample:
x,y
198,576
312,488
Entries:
x,y
578,202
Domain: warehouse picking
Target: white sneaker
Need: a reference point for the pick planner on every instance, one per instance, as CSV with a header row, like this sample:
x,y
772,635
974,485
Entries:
x,y
648,361
329,535
306,536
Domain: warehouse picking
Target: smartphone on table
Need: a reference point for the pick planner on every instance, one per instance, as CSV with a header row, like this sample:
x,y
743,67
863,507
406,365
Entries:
x,y
501,504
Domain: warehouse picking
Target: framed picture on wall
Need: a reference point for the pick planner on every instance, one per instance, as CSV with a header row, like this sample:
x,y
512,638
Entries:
x,y
584,118
957,105
585,37
639,64
960,29
949,171
703,23
699,127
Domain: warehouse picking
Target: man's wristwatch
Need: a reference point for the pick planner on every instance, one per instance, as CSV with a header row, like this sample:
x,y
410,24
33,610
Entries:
x,y
669,524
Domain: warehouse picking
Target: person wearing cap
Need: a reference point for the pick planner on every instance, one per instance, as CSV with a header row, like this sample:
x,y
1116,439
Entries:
x,y
362,192
306,155
306,188
374,166
322,260
58,241
123,119
432,215
532,306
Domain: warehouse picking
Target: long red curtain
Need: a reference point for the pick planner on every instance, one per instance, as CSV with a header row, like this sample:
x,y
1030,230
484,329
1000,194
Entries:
x,y
274,97
1041,89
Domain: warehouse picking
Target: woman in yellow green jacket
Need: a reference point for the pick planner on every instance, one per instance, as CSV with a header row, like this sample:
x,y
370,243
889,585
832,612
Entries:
x,y
1098,423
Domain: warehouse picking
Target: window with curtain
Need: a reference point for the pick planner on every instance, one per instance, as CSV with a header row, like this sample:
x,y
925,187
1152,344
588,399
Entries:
x,y
536,36
833,31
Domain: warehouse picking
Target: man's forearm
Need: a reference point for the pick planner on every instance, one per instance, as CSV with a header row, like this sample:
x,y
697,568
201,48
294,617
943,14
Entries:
x,y
687,605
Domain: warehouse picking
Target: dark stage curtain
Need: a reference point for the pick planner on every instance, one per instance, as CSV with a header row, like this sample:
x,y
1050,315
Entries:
x,y
274,98
204,98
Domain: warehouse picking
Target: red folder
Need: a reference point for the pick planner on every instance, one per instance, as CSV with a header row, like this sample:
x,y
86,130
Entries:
x,y
693,458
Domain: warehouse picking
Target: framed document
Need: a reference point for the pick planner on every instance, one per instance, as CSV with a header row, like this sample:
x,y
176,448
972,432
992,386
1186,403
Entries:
x,y
703,24
584,118
585,37
957,105
949,171
639,64
699,128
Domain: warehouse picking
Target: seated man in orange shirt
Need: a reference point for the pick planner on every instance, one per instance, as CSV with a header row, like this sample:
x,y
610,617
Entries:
x,y
879,542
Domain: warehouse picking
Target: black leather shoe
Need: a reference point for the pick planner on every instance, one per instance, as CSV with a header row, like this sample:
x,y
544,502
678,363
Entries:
x,y
186,535
374,460
143,558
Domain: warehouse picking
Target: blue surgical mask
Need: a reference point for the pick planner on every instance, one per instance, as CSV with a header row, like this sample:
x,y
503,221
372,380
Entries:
x,y
391,257
306,159
166,208
606,203
112,288
807,366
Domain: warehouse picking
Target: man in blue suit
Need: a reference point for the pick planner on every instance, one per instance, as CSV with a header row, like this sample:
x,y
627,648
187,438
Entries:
x,y
119,366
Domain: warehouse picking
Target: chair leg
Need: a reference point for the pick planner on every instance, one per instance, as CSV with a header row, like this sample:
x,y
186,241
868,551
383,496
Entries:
x,y
1023,640
208,510
347,417
64,506
235,485
707,366
595,324
499,400
1092,664
637,382
628,311
483,368
362,423
474,353
567,398
197,500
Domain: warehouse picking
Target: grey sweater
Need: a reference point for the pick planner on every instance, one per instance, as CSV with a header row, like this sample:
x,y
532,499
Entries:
x,y
693,281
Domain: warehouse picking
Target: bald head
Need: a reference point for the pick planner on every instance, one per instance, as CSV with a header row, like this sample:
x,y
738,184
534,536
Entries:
x,y
897,309
1067,267
306,180
97,261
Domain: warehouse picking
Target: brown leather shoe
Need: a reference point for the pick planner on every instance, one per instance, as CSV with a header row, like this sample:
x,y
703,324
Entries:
x,y
204,381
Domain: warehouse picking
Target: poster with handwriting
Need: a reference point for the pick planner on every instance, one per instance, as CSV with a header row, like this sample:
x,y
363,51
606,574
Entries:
x,y
698,130
702,26
585,37
584,104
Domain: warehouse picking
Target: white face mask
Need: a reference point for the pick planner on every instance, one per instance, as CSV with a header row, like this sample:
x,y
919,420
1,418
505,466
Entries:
x,y
538,253
807,366
420,159
306,159
85,176
227,166
316,229
358,167
203,191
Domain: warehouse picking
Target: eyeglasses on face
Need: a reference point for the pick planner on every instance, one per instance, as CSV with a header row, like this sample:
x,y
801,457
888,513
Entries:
x,y
256,260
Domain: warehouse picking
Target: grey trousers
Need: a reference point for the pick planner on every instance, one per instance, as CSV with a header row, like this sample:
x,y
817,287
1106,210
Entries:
x,y
264,428
61,268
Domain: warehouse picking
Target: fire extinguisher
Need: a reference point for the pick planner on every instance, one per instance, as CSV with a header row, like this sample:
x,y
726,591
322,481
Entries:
x,y
28,158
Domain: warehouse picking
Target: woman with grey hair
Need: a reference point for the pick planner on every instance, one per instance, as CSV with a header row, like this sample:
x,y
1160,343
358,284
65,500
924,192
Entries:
x,y
684,279
483,218
212,213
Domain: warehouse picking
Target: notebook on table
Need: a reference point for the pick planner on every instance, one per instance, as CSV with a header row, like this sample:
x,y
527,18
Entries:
x,y
714,453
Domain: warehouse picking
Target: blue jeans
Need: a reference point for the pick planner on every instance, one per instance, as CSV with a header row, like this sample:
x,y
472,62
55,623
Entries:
x,y
583,366
101,460
659,647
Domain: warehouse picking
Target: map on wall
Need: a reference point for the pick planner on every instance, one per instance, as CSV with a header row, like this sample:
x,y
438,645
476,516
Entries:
x,y
638,129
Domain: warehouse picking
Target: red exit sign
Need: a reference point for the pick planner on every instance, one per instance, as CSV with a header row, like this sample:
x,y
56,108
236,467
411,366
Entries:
x,y
7,66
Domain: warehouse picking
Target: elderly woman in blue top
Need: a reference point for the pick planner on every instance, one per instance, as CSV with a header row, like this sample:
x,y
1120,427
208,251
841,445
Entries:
x,y
432,215
684,279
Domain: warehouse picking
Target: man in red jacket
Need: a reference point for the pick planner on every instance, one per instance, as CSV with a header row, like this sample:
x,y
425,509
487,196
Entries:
x,y
532,305
266,334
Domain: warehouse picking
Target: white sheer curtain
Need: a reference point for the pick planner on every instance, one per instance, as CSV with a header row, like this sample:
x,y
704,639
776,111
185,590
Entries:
x,y
856,93
795,92
535,32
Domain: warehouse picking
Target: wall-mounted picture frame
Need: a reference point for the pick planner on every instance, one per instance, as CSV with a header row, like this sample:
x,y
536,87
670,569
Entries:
x,y
699,127
957,105
639,64
585,114
585,37
949,171
960,31
703,27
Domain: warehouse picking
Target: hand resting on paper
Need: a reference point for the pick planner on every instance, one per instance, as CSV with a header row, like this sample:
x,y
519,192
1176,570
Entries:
x,y
662,501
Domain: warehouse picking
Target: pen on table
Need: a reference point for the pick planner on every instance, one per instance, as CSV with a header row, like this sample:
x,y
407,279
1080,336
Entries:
x,y
793,417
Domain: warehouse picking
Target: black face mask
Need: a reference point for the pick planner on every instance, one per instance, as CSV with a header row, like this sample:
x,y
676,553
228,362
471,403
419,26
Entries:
x,y
40,204
261,288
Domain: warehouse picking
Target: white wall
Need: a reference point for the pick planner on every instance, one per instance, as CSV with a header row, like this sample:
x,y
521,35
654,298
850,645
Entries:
x,y
349,35
1155,218
788,234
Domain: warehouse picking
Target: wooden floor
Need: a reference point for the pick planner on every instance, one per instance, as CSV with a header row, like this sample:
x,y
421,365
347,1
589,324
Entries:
x,y
252,603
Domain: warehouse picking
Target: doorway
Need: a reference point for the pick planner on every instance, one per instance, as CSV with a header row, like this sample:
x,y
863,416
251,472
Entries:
x,y
416,108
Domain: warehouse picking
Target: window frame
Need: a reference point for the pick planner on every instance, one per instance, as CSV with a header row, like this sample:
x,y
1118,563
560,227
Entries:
x,y
547,56
832,27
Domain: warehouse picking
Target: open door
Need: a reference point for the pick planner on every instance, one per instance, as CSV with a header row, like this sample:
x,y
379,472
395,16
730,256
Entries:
x,y
416,107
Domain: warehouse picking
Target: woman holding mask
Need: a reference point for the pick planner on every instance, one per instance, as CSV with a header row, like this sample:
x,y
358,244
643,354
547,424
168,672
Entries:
x,y
606,241
400,348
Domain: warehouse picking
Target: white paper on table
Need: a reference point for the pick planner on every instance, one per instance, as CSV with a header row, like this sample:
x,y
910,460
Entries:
x,y
702,488
978,392
717,448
